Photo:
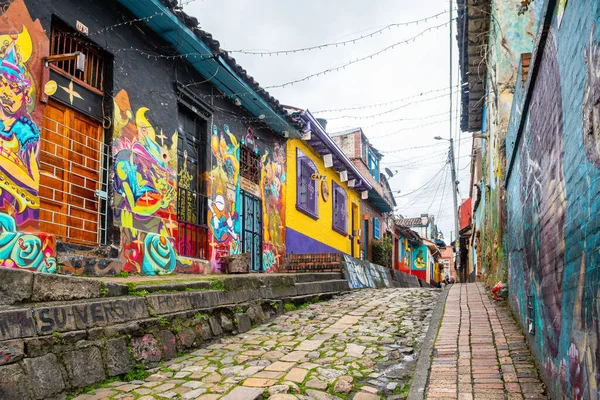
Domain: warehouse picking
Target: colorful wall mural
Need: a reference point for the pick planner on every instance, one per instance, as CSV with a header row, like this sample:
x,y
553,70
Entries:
x,y
419,264
22,46
145,184
225,192
363,274
553,206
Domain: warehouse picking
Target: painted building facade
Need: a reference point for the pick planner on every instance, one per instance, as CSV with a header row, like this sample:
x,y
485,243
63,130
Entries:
x,y
491,75
553,199
376,210
324,192
151,151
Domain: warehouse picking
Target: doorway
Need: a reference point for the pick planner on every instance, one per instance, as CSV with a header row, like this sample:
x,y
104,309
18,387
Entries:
x,y
252,229
72,182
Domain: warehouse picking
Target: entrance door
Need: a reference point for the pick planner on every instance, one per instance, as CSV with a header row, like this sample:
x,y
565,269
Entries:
x,y
71,184
191,200
252,230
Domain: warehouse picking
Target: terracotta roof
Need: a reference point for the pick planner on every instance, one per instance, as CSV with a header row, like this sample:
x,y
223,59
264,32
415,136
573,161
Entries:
x,y
192,23
411,222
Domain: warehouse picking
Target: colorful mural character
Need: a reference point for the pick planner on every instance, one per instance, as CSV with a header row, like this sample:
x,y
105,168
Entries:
x,y
145,190
420,262
34,252
224,196
273,188
590,108
19,135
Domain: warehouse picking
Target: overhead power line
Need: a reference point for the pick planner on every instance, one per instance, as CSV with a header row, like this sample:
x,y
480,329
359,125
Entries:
x,y
386,103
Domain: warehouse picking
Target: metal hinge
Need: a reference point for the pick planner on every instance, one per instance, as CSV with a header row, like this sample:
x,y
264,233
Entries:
x,y
102,194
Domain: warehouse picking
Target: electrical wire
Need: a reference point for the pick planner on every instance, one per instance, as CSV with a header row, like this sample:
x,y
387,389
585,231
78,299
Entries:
x,y
382,104
336,43
343,66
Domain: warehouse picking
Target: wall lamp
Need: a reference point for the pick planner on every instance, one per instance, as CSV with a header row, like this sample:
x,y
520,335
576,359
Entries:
x,y
480,136
77,55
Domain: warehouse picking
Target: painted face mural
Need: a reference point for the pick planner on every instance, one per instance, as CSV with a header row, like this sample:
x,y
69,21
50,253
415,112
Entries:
x,y
19,135
145,190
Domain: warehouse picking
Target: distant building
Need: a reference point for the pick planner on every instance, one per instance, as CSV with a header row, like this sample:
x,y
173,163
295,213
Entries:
x,y
377,207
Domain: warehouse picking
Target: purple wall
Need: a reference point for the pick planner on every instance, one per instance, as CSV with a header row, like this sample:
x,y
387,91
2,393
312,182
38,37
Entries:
x,y
297,243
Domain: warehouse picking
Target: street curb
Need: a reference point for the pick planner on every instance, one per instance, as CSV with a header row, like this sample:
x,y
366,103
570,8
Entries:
x,y
419,381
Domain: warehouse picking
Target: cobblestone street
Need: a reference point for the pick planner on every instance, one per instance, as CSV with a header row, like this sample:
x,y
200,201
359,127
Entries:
x,y
362,345
480,352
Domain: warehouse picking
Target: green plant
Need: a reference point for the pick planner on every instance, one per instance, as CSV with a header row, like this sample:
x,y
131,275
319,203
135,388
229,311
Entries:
x,y
122,274
103,289
201,316
239,309
139,373
163,321
382,251
217,285
58,339
289,307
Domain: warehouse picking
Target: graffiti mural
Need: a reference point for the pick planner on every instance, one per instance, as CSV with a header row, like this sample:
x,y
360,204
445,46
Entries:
x,y
22,43
362,274
273,188
224,211
145,190
34,252
224,196
553,207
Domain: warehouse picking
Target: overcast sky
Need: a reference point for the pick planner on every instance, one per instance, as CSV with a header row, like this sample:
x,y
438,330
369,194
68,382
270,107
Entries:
x,y
405,71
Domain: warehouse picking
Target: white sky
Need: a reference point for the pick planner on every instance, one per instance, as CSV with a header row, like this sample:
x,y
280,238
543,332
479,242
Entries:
x,y
407,70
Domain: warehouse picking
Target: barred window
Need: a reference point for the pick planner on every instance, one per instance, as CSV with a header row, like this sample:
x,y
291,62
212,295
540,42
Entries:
x,y
249,165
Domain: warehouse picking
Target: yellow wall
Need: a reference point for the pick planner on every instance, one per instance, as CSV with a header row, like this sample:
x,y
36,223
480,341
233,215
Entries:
x,y
320,229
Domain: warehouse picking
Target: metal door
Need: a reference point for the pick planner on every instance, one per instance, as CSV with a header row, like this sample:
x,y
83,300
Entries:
x,y
252,230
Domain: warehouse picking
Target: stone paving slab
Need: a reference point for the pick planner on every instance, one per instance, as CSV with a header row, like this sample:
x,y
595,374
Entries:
x,y
360,345
480,352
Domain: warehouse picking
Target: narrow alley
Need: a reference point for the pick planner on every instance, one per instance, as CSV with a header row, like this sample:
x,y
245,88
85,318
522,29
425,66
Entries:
x,y
480,352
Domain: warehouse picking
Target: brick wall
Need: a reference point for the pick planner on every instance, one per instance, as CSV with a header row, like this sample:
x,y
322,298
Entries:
x,y
553,203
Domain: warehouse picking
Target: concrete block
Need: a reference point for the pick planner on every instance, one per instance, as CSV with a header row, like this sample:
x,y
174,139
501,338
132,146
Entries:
x,y
15,285
16,323
203,331
242,320
84,366
51,287
226,323
11,351
117,357
167,343
13,383
44,376
166,303
115,289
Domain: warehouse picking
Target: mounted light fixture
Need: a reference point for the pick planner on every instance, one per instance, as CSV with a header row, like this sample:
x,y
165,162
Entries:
x,y
77,55
261,116
480,136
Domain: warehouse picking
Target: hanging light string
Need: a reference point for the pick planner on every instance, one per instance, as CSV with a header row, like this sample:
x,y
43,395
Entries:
x,y
370,56
384,103
391,110
336,44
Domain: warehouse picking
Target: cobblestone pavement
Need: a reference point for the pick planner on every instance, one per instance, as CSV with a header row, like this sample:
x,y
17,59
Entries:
x,y
480,352
361,345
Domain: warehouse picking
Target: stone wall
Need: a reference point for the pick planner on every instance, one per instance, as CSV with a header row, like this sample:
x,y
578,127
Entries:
x,y
60,333
553,200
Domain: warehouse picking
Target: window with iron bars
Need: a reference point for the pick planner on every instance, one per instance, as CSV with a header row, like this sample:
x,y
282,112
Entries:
x,y
249,165
63,41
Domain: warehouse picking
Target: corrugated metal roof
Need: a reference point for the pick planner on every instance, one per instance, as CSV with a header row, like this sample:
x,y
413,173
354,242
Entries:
x,y
417,221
